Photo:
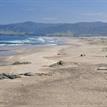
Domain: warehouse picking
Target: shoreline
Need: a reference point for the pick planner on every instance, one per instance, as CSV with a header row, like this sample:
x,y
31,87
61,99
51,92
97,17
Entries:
x,y
11,52
25,54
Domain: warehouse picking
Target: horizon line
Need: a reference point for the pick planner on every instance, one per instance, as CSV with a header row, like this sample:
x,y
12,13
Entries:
x,y
54,23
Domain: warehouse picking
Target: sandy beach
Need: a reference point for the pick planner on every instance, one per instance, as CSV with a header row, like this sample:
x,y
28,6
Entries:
x,y
80,80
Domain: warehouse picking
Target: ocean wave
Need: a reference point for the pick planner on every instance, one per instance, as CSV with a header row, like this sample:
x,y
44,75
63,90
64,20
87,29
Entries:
x,y
29,40
41,40
2,44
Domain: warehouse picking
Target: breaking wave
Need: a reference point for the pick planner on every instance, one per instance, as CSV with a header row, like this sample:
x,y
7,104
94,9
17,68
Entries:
x,y
21,40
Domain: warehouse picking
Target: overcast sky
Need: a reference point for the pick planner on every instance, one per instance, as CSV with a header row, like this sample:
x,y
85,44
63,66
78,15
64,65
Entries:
x,y
53,11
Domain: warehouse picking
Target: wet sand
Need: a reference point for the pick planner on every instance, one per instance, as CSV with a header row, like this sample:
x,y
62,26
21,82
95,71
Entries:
x,y
80,81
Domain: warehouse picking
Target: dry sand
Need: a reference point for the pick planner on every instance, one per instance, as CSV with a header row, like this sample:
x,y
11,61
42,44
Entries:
x,y
81,81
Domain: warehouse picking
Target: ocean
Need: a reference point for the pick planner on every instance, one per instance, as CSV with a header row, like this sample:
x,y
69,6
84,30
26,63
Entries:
x,y
9,40
9,43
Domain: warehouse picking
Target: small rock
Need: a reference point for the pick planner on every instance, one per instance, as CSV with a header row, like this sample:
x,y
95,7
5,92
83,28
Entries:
x,y
60,63
59,54
44,74
57,64
2,76
19,63
102,68
11,76
82,55
29,74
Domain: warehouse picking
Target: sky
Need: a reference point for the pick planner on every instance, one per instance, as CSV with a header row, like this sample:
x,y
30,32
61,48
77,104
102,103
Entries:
x,y
53,11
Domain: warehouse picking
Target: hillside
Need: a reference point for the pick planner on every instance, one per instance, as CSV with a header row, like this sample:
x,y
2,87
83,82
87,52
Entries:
x,y
76,29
